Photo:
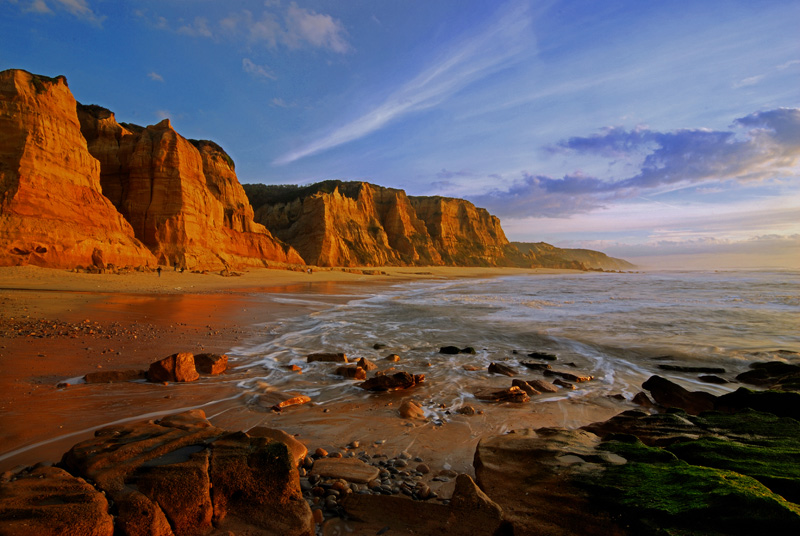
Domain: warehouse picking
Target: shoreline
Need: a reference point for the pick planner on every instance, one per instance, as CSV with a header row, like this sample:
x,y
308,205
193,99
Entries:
x,y
58,325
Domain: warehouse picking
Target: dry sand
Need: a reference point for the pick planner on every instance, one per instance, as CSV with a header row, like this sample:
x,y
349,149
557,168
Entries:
x,y
57,325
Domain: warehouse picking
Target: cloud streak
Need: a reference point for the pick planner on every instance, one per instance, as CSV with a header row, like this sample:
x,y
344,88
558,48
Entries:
x,y
768,149
258,71
78,8
469,60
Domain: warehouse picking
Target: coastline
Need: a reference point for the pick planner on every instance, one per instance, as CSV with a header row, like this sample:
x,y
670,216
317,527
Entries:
x,y
58,325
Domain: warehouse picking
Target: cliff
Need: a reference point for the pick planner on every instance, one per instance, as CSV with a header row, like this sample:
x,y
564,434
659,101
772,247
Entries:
x,y
336,223
541,254
181,196
52,209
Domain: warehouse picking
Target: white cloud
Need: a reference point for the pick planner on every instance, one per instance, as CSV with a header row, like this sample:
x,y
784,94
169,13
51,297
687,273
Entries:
x,y
198,27
78,8
788,64
467,61
323,31
152,75
259,71
278,102
750,81
163,114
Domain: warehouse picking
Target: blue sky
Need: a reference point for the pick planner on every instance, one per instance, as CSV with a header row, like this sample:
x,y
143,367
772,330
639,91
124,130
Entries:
x,y
665,132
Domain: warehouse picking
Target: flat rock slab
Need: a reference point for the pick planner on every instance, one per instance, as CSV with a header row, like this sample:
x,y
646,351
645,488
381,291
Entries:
x,y
350,469
49,501
327,358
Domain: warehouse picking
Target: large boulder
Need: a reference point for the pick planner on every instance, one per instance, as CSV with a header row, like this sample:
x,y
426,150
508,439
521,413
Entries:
x,y
183,476
671,395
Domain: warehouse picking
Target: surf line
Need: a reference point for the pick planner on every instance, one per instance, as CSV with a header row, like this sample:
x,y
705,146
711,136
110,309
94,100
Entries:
x,y
120,421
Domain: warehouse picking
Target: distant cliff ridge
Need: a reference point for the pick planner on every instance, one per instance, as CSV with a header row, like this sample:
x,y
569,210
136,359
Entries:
x,y
338,223
547,256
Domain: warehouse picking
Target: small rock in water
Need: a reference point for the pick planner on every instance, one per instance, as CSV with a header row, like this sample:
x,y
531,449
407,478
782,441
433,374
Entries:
x,y
378,346
543,386
543,355
522,384
320,453
499,368
562,383
568,376
353,373
392,357
327,358
535,366
366,364
511,394
410,409
466,410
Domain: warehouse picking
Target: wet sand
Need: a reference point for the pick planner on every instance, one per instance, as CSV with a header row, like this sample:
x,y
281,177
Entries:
x,y
57,326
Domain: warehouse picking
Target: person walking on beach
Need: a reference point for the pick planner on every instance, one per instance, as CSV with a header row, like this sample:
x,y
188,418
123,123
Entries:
x,y
159,271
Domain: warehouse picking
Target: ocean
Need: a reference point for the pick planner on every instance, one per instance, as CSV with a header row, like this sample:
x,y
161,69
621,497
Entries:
x,y
620,328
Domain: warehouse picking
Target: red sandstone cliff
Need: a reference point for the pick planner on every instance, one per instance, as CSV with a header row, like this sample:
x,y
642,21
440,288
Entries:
x,y
52,209
181,197
338,223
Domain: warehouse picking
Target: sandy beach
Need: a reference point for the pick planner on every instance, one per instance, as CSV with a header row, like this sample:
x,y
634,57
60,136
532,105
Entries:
x,y
57,326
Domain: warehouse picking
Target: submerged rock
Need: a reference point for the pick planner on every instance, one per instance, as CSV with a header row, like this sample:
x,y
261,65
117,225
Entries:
x,y
525,386
456,350
568,376
510,394
411,409
353,373
543,355
327,358
398,380
499,368
672,395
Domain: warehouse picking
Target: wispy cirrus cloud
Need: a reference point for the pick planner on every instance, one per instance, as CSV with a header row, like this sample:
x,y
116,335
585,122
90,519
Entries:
x,y
768,149
152,75
471,59
78,8
258,71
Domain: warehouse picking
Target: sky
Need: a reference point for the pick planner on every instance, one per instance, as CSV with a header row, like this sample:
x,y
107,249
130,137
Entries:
x,y
666,133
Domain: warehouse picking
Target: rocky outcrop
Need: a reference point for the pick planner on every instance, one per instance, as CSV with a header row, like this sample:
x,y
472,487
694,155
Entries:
x,y
52,209
336,223
543,255
181,196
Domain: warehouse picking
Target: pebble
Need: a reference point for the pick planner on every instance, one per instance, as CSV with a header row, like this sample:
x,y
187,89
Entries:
x,y
317,515
320,453
423,468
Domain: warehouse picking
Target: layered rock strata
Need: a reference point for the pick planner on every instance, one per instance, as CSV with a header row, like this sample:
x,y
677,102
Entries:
x,y
181,196
337,223
544,255
52,209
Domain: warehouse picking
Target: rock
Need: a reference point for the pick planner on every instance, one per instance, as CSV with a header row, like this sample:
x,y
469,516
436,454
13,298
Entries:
x,y
568,376
564,385
782,404
392,357
511,394
181,196
770,373
53,211
366,364
354,373
541,254
350,469
399,380
212,364
545,497
327,358
256,481
643,400
672,395
713,379
535,366
525,386
543,386
469,513
499,368
680,368
466,410
175,368
543,355
410,409
277,400
296,448
452,350
368,225
49,501
113,376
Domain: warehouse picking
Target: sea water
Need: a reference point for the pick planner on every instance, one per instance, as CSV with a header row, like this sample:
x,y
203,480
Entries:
x,y
620,328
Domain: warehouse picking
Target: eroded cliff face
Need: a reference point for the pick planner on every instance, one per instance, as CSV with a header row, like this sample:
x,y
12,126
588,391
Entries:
x,y
359,224
182,198
52,209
